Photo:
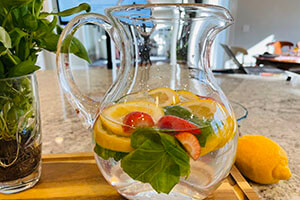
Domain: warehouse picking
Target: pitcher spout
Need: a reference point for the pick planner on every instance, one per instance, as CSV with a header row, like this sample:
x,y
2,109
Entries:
x,y
219,19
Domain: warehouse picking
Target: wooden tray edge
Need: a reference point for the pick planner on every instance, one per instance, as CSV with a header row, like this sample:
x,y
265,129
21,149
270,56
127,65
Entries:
x,y
241,187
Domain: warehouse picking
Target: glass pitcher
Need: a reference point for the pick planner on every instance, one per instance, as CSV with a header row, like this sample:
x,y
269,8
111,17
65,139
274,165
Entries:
x,y
164,129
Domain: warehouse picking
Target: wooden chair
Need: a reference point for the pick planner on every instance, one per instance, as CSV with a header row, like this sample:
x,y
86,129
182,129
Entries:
x,y
278,46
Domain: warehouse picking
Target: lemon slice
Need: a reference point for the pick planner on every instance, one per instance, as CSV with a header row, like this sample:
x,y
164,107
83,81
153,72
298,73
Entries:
x,y
185,95
223,124
112,117
164,96
218,139
202,108
111,141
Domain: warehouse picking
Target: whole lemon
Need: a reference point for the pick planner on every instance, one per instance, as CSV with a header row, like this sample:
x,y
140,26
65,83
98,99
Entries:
x,y
262,160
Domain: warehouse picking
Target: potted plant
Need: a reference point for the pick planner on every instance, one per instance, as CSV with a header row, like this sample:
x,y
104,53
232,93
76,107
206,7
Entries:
x,y
24,32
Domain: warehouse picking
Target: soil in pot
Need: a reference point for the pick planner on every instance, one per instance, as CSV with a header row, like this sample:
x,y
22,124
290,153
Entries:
x,y
27,161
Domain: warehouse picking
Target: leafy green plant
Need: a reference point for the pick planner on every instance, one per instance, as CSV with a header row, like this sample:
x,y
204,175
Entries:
x,y
24,32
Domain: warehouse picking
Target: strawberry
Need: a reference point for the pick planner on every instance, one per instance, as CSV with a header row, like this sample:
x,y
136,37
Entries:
x,y
190,143
137,120
176,123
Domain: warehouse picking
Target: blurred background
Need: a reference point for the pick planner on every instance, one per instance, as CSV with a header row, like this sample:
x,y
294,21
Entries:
x,y
257,23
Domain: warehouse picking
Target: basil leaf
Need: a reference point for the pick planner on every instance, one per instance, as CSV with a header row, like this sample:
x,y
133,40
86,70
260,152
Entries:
x,y
167,178
25,67
5,38
158,160
178,111
178,154
106,153
148,163
171,146
206,130
141,135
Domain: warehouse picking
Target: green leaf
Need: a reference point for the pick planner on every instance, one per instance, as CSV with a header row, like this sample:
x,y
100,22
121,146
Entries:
x,y
30,22
5,38
2,71
167,178
158,160
23,68
59,29
16,100
178,111
38,5
42,29
45,27
76,47
25,32
18,14
177,153
141,135
206,131
24,49
14,3
52,24
147,163
16,35
3,51
68,12
16,58
49,42
106,153
8,62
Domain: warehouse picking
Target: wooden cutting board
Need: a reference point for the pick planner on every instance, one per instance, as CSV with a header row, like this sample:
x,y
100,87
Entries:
x,y
76,176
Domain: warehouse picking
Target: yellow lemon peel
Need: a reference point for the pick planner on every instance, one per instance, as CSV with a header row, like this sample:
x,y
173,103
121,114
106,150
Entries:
x,y
110,141
262,160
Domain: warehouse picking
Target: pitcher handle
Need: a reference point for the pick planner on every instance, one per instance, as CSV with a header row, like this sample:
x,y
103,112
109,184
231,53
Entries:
x,y
85,106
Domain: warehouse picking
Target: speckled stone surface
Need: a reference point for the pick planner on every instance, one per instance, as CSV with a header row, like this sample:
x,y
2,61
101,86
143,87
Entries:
x,y
273,104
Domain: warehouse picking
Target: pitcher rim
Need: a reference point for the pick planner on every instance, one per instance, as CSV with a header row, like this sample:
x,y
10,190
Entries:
x,y
112,9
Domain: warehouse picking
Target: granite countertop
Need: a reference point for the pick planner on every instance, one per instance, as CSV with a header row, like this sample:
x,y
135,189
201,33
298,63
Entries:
x,y
273,104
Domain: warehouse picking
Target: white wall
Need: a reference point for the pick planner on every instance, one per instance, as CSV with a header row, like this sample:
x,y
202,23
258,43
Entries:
x,y
264,18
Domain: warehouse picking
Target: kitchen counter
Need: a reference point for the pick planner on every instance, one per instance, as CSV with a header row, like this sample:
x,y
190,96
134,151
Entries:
x,y
273,104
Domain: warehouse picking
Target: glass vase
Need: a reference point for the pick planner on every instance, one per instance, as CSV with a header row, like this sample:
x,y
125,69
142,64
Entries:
x,y
20,134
